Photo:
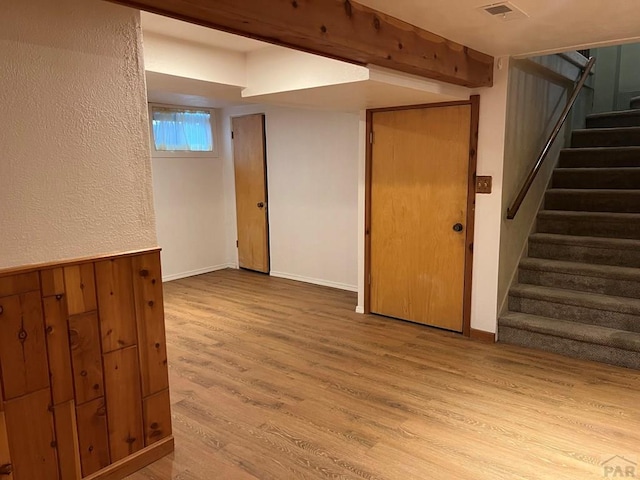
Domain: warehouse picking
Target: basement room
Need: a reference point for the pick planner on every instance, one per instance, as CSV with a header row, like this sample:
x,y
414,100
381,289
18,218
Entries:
x,y
319,239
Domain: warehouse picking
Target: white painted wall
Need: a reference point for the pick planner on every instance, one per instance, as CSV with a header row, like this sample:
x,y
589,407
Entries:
x,y
617,77
276,69
75,173
181,58
486,244
189,198
312,169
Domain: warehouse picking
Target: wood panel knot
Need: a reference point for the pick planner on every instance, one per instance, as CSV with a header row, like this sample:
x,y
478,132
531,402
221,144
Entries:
x,y
348,9
144,273
22,335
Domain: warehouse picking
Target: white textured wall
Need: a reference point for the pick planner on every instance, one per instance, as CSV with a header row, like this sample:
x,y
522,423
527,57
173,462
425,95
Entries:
x,y
75,176
312,160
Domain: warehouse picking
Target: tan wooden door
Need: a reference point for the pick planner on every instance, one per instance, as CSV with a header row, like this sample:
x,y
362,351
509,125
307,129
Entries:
x,y
249,155
419,189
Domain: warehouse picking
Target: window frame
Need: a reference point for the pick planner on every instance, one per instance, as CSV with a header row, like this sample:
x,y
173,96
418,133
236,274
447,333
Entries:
x,y
215,153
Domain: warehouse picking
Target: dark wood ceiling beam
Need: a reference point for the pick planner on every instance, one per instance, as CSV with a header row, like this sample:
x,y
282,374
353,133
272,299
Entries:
x,y
340,29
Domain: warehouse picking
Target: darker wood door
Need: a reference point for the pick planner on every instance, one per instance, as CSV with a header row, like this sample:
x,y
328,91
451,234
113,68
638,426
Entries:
x,y
419,201
250,163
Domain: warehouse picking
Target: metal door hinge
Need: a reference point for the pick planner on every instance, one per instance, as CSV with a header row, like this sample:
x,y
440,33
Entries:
x,y
232,135
237,244
371,137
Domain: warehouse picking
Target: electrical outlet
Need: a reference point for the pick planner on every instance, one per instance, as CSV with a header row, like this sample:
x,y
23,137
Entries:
x,y
484,184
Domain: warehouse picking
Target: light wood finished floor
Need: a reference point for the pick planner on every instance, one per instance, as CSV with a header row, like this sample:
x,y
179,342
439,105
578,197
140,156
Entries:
x,y
273,379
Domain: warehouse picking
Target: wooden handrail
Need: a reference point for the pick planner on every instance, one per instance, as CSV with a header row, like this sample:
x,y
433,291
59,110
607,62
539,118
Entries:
x,y
515,206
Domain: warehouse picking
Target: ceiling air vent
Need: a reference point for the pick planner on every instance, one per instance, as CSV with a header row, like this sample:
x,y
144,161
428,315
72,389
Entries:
x,y
504,11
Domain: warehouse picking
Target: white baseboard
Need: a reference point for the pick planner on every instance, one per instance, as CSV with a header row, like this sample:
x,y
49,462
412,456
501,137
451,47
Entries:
x,y
360,309
200,271
315,281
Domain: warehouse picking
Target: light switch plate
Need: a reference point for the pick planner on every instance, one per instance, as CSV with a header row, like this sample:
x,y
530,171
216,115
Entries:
x,y
484,184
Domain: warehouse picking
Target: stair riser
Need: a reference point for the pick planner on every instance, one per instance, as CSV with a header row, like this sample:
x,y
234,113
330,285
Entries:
x,y
614,121
585,254
568,347
579,226
582,283
596,158
605,139
635,102
593,201
626,179
590,316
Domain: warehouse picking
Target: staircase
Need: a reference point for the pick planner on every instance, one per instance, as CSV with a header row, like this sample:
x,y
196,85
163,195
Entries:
x,y
578,291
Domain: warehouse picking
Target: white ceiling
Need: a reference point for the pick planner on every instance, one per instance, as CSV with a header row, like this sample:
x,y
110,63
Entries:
x,y
552,25
345,97
172,90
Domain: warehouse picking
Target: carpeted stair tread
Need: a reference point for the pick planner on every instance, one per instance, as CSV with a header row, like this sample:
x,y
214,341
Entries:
x,y
602,177
592,334
606,137
635,102
585,249
620,281
622,118
582,269
594,157
608,303
559,239
593,200
594,224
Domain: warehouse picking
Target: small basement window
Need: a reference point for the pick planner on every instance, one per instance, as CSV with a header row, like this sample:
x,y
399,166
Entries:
x,y
182,131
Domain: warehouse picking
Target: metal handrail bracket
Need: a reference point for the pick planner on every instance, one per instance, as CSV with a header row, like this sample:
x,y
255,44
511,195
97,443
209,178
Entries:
x,y
515,206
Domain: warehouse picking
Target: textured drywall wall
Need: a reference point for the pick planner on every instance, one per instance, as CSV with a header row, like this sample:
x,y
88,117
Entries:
x,y
75,171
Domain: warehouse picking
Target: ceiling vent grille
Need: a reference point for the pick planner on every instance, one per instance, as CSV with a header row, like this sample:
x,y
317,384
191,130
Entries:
x,y
504,11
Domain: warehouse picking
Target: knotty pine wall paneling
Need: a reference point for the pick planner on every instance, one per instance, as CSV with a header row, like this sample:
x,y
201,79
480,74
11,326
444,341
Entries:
x,y
83,368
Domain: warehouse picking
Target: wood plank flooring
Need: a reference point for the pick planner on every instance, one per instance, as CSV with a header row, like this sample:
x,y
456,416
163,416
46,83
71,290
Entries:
x,y
273,379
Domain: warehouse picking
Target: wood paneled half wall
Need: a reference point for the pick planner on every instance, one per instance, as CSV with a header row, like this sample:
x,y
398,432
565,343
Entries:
x,y
83,369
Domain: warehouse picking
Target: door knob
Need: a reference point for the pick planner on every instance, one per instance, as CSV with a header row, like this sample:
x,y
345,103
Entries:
x,y
260,204
458,227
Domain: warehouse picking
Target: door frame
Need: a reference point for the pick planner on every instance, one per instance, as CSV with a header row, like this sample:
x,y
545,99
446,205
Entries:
x,y
266,186
474,103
